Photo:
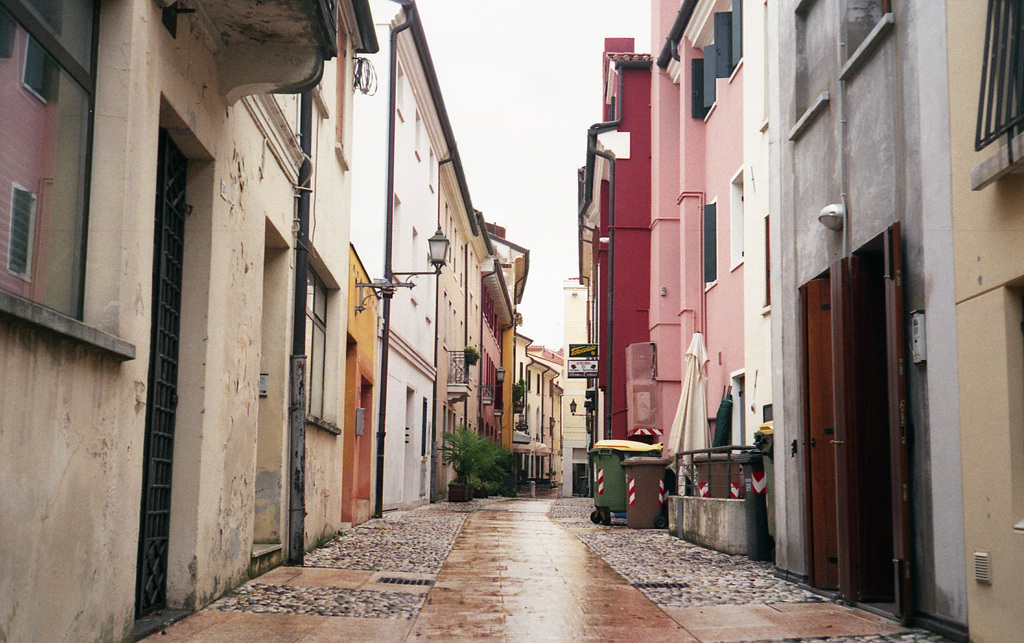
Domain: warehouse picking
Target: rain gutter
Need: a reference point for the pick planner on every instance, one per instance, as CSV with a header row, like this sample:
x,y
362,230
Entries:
x,y
670,51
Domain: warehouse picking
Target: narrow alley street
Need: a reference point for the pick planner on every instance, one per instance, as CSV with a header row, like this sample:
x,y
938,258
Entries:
x,y
523,569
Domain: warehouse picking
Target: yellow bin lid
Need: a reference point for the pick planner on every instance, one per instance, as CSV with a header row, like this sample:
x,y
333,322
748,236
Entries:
x,y
768,428
627,445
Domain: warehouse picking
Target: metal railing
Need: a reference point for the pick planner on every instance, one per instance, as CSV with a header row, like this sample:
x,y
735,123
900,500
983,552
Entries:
x,y
487,394
457,373
711,473
1001,101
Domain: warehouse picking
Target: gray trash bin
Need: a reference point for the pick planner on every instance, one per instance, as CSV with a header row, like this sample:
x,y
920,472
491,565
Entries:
x,y
759,545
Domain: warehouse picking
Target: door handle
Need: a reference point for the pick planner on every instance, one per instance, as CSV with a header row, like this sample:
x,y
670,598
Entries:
x,y
838,442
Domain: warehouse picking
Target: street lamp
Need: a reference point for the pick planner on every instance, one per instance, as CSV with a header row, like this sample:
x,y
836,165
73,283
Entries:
x,y
437,249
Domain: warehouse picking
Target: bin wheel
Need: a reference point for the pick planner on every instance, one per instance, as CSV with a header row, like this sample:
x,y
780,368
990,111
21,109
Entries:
x,y
595,516
660,522
606,517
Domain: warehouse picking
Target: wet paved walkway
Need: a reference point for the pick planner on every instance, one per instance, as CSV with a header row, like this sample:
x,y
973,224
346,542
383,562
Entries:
x,y
514,574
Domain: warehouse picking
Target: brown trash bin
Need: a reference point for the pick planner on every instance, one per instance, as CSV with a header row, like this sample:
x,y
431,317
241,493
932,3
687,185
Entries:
x,y
645,492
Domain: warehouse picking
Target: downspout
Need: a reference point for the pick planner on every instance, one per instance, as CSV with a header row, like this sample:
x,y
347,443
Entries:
x,y
435,493
378,504
465,328
297,388
842,147
588,192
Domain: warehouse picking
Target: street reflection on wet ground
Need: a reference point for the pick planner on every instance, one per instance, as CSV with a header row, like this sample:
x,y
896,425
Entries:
x,y
504,570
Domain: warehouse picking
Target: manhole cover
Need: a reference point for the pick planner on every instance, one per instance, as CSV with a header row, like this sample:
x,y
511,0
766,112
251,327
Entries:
x,y
405,581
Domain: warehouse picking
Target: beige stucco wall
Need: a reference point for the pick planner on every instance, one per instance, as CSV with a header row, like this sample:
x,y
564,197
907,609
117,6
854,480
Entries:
x,y
75,418
989,260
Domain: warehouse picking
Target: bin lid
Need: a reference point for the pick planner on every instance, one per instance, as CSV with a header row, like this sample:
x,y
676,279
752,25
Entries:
x,y
768,428
626,445
636,461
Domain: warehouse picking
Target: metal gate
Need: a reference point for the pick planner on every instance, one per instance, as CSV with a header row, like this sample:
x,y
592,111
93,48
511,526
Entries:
x,y
162,397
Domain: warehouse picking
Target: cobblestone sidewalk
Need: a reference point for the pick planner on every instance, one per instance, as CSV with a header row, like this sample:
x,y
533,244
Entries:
x,y
676,574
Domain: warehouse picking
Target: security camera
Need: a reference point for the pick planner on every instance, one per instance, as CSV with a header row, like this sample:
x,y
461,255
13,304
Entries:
x,y
832,216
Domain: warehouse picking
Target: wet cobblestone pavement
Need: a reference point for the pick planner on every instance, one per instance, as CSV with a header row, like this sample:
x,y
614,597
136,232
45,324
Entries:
x,y
515,575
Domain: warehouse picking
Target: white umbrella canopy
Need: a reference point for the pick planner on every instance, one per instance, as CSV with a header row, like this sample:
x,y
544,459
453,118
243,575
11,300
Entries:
x,y
690,425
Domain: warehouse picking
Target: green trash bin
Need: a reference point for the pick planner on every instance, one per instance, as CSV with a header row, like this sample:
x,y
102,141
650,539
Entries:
x,y
610,485
764,440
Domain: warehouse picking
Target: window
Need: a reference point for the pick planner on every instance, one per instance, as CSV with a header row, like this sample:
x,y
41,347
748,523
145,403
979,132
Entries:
x,y
316,340
45,104
710,243
736,220
767,262
23,214
41,73
344,85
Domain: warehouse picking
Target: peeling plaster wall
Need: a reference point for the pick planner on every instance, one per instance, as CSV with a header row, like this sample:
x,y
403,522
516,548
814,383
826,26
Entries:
x,y
75,418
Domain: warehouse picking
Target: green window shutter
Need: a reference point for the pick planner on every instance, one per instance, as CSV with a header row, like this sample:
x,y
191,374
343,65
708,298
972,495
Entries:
x,y
737,32
710,242
23,208
6,34
710,74
697,107
723,44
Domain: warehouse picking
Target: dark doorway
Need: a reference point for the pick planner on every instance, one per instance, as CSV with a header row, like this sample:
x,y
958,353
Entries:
x,y
819,436
870,411
162,390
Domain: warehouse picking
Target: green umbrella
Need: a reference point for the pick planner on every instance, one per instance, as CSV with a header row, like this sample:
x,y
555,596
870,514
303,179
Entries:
x,y
723,422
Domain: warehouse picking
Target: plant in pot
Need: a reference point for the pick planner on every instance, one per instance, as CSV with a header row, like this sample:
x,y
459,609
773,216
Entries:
x,y
472,355
463,450
519,396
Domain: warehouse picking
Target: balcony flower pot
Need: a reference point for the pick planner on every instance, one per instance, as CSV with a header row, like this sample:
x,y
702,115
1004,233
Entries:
x,y
472,355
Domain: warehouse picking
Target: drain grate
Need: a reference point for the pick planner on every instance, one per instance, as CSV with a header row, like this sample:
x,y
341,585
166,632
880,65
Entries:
x,y
405,581
661,585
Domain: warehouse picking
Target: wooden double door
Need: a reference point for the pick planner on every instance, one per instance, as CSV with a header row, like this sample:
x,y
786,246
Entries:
x,y
855,435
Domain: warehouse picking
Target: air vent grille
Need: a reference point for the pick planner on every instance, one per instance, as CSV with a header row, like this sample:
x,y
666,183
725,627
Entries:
x,y
983,567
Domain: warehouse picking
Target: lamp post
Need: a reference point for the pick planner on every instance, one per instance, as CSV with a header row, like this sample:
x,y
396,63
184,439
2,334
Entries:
x,y
437,248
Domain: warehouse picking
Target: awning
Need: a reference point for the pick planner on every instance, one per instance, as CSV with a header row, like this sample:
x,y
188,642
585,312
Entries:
x,y
535,447
520,437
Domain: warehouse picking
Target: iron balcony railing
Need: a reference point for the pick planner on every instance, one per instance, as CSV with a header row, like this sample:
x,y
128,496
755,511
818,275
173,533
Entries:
x,y
1001,103
457,373
487,394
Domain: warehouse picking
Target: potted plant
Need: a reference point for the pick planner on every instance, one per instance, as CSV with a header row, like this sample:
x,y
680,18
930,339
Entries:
x,y
461,450
472,355
519,396
480,465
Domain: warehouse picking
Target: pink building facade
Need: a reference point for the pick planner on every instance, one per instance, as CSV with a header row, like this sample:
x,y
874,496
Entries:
x,y
697,199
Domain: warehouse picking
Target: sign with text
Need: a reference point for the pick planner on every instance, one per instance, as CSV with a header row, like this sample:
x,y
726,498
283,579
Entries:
x,y
583,368
588,351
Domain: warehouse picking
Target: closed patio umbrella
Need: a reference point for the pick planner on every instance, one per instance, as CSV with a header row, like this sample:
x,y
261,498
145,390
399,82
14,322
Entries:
x,y
690,425
723,422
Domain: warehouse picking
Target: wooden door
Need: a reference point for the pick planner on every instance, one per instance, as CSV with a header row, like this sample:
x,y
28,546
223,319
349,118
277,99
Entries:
x,y
819,456
898,420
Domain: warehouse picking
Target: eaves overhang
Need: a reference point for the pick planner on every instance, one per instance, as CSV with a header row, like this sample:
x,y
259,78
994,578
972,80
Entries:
x,y
494,281
274,46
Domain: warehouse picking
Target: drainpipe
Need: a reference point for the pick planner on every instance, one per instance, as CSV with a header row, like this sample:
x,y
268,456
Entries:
x,y
588,191
378,504
842,147
435,493
297,367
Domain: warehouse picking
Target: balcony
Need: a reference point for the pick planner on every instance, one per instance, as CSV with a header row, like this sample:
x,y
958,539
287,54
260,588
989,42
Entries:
x,y
458,377
263,47
1001,102
487,394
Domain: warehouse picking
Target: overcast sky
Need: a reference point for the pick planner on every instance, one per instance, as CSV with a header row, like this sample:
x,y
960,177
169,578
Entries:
x,y
521,80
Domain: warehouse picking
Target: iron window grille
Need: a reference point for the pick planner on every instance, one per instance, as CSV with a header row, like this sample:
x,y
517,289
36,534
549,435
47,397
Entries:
x,y
1001,100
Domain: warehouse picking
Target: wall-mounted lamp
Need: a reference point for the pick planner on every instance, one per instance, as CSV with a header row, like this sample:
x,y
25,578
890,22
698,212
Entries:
x,y
437,249
572,409
499,375
833,216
